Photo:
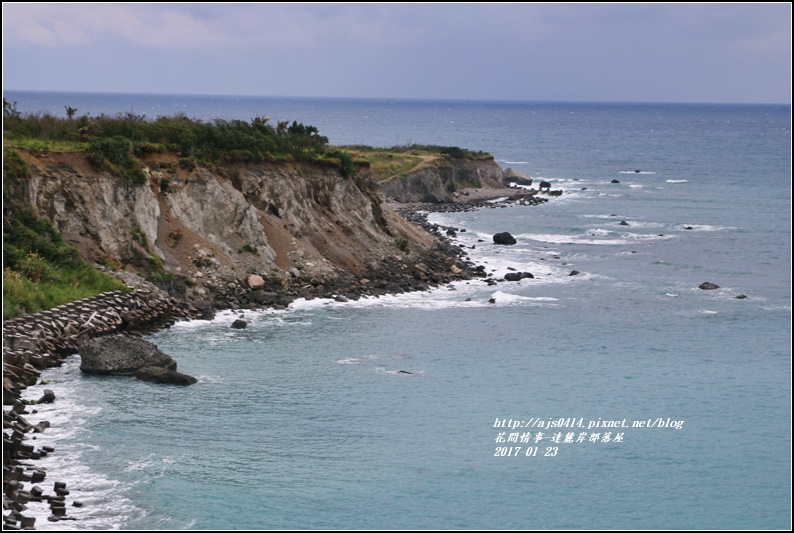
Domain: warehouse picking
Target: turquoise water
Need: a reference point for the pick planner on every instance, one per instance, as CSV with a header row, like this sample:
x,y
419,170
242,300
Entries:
x,y
306,419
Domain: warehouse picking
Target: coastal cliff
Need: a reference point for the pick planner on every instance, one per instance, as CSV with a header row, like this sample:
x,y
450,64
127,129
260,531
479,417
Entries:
x,y
440,179
242,235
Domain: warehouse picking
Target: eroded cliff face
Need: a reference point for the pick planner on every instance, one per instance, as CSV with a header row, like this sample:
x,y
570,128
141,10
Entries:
x,y
303,228
440,179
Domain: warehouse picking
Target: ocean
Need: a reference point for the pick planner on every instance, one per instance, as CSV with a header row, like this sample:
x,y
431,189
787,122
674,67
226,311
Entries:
x,y
622,397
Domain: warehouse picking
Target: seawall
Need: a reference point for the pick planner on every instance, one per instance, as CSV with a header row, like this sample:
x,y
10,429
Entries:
x,y
35,342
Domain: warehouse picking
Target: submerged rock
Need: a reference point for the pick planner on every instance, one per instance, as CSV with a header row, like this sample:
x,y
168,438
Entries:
x,y
708,286
156,374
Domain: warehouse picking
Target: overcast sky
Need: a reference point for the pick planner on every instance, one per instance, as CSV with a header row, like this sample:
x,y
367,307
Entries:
x,y
578,52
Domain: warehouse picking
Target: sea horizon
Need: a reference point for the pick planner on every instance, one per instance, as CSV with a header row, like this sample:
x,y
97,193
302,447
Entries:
x,y
399,99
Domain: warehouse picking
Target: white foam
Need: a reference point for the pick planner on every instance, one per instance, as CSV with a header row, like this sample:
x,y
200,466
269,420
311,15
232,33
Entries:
x,y
702,227
610,216
647,236
677,181
105,506
572,239
507,298
354,360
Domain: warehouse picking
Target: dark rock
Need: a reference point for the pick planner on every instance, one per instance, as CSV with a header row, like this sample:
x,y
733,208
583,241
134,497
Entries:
x,y
708,286
740,297
156,374
574,273
205,309
614,181
341,299
623,223
48,397
517,276
504,238
239,324
120,355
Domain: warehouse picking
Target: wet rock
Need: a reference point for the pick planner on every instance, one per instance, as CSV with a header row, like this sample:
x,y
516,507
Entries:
x,y
615,181
239,324
155,374
708,286
740,297
504,238
518,276
205,309
48,397
623,223
574,273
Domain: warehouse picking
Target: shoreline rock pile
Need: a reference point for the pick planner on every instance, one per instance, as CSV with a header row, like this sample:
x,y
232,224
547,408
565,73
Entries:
x,y
42,340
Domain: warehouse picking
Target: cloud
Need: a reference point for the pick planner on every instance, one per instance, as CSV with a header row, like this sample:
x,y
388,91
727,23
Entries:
x,y
510,51
56,25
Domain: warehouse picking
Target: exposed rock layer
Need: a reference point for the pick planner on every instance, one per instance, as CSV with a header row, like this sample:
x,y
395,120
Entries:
x,y
304,229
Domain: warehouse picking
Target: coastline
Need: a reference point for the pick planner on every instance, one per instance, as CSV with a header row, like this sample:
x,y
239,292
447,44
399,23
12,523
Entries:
x,y
35,342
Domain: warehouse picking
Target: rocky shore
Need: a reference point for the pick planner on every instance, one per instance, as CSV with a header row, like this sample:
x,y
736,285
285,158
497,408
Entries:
x,y
35,342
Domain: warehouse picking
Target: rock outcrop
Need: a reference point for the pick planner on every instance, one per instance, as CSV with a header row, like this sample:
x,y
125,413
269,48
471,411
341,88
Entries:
x,y
439,180
504,238
121,355
513,176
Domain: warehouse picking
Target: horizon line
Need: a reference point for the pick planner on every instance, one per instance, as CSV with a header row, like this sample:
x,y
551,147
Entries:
x,y
407,99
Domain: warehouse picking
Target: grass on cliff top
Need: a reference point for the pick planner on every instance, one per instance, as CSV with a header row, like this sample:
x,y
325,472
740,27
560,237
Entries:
x,y
40,270
388,164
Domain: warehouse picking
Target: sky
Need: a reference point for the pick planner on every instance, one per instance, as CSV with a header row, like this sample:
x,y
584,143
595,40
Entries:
x,y
660,52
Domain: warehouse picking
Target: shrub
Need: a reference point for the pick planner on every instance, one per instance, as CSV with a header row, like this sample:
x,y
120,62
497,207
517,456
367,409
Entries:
x,y
115,150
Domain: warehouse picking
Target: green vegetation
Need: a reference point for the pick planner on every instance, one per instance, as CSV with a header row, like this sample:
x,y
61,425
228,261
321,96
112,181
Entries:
x,y
247,248
40,271
403,244
392,163
114,142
